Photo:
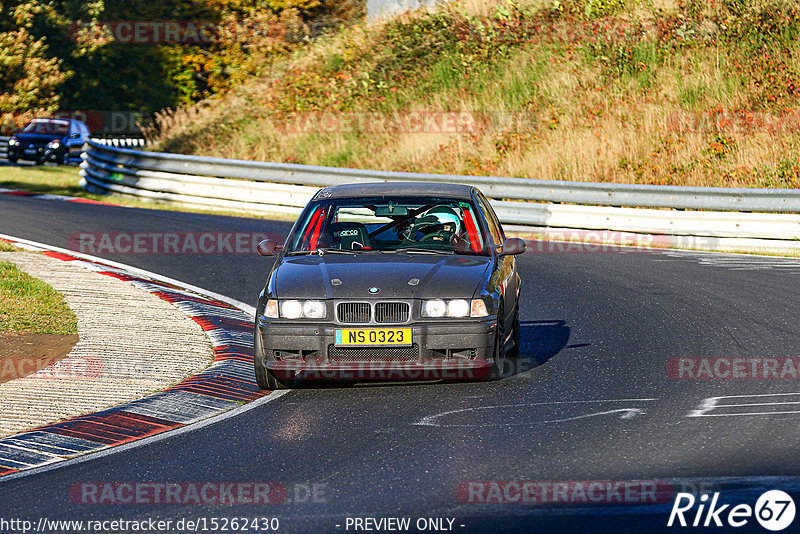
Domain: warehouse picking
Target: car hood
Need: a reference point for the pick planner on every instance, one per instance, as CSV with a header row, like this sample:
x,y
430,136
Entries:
x,y
342,276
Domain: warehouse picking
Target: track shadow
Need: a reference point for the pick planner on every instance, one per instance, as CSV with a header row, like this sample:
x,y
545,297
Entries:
x,y
539,341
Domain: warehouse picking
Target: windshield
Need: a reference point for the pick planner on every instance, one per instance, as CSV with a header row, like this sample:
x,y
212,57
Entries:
x,y
47,127
390,224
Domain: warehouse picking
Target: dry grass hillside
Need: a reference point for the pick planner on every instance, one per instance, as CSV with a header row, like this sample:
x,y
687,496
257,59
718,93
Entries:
x,y
660,91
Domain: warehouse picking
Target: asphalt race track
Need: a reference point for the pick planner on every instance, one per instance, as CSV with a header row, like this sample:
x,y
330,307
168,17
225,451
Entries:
x,y
591,398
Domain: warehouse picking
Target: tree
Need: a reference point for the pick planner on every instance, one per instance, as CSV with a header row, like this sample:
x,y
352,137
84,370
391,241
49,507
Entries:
x,y
29,80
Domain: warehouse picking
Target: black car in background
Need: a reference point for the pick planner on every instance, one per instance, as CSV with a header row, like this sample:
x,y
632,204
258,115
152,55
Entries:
x,y
393,281
55,140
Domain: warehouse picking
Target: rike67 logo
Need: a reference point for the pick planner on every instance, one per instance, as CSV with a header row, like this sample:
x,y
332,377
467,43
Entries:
x,y
774,510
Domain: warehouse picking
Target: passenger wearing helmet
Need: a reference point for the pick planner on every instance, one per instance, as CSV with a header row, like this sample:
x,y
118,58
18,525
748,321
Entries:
x,y
440,224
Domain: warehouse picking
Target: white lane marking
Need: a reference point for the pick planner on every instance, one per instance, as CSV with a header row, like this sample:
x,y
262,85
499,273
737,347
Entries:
x,y
164,435
713,403
693,254
250,310
626,413
756,404
148,440
26,449
736,262
744,413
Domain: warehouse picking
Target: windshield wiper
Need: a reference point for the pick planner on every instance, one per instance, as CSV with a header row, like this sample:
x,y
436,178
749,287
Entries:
x,y
323,251
422,250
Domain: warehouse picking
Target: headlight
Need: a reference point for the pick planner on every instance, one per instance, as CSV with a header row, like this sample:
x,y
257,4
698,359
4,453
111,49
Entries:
x,y
434,308
296,309
291,309
13,141
55,143
453,308
458,308
314,309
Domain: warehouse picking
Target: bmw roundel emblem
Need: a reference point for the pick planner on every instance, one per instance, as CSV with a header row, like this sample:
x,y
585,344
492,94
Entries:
x,y
374,290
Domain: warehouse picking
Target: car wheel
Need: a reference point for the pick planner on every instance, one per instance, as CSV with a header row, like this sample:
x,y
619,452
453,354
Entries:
x,y
516,335
39,161
265,378
498,356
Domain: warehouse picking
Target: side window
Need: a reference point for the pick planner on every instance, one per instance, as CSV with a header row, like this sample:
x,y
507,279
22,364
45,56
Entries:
x,y
491,219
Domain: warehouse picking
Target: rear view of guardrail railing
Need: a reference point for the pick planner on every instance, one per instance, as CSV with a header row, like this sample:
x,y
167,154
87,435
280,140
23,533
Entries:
x,y
131,142
260,187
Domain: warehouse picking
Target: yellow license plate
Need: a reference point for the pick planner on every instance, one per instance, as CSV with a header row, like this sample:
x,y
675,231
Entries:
x,y
354,337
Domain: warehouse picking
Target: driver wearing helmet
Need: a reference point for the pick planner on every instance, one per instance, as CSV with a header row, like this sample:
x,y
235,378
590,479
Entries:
x,y
440,224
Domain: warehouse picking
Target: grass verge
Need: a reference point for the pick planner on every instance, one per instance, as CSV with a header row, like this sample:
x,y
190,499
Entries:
x,y
54,180
5,246
28,305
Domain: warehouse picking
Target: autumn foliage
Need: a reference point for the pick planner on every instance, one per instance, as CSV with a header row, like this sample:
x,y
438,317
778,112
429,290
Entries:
x,y
48,64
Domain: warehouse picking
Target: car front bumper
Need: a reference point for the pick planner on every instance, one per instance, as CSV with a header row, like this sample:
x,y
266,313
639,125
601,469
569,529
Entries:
x,y
457,350
32,154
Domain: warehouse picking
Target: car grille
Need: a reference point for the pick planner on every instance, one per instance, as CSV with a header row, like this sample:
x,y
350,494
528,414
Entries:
x,y
366,354
354,312
362,313
391,312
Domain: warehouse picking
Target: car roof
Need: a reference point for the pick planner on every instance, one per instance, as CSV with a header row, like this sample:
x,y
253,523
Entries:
x,y
48,119
406,189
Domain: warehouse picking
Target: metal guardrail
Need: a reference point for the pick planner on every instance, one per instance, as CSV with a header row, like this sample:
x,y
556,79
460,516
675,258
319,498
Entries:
x,y
675,197
285,188
135,142
4,147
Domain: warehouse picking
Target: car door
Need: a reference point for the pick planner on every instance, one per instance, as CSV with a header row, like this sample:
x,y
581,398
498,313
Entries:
x,y
507,267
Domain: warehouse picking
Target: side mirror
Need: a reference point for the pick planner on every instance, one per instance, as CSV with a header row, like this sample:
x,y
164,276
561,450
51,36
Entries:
x,y
268,247
512,246
74,135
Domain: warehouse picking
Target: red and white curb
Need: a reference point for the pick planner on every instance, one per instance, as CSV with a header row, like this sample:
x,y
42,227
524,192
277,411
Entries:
x,y
219,390
47,196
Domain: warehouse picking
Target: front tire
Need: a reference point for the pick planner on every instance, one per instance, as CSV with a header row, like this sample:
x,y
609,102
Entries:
x,y
516,336
498,356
